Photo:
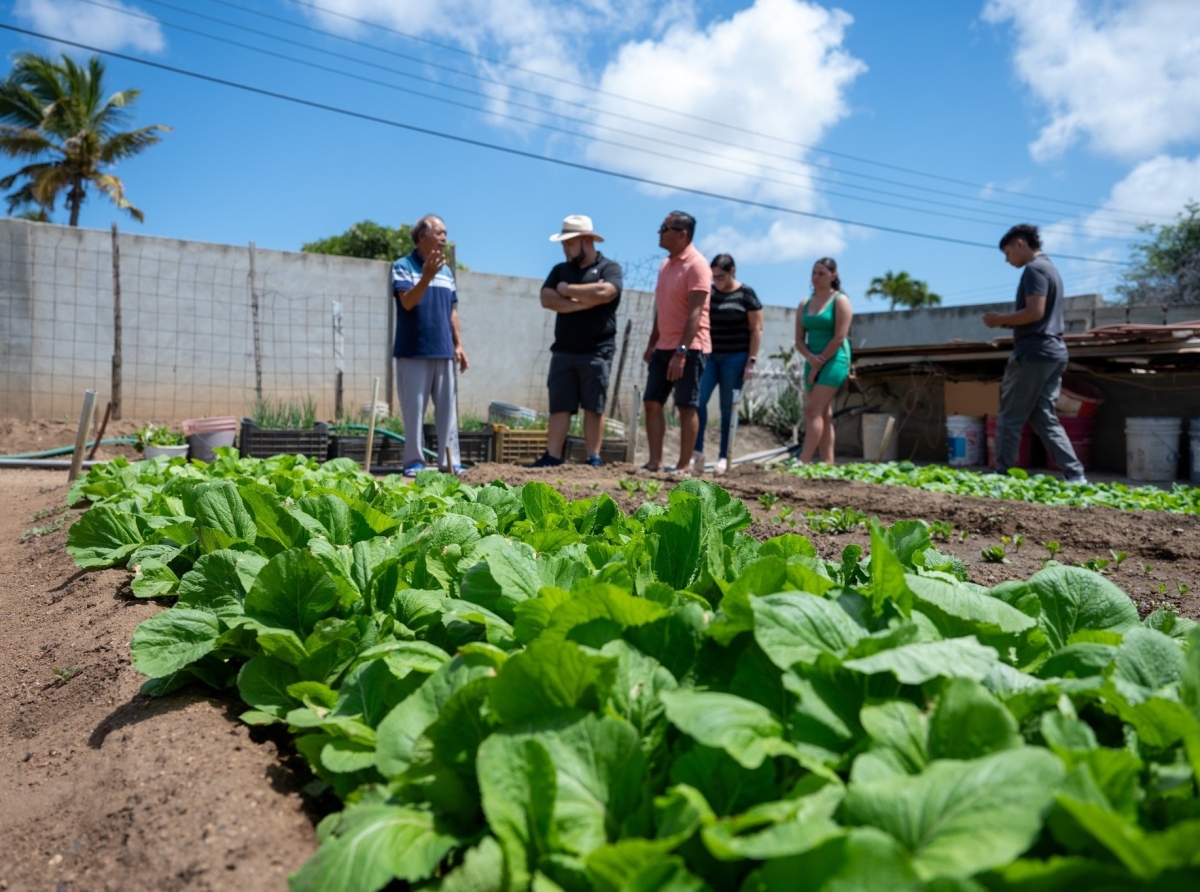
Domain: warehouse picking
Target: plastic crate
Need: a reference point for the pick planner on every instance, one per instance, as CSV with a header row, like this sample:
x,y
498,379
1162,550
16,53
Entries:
x,y
474,447
611,449
256,442
518,447
386,452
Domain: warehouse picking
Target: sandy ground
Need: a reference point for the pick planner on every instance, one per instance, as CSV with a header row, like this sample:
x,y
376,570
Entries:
x,y
106,790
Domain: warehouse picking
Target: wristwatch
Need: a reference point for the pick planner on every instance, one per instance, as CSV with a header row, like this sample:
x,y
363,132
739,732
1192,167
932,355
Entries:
x,y
681,350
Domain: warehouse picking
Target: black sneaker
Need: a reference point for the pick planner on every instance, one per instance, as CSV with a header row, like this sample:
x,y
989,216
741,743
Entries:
x,y
547,461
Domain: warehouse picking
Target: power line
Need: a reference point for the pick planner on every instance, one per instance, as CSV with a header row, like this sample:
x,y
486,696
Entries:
x,y
1123,236
650,105
520,153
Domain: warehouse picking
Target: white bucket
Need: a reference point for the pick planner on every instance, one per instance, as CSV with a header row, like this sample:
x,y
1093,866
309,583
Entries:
x,y
1152,448
874,425
966,440
381,411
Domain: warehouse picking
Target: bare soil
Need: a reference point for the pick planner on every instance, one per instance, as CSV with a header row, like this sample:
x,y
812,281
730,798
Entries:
x,y
103,789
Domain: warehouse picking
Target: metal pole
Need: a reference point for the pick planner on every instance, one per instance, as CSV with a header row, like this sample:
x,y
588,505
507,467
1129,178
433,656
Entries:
x,y
258,392
116,357
371,427
390,376
85,420
733,422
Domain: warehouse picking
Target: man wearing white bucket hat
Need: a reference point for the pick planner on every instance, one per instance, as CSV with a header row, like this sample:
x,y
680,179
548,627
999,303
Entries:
x,y
584,291
1033,376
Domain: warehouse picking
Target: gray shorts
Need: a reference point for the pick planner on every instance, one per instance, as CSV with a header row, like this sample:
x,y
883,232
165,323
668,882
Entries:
x,y
579,379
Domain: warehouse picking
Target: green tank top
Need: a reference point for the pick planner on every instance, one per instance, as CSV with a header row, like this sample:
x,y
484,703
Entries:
x,y
818,328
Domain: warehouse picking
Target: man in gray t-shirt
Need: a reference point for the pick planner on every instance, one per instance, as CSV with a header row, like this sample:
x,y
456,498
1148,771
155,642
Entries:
x,y
1033,377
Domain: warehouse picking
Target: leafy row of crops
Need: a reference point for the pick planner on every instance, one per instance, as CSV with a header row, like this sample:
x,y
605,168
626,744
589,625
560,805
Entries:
x,y
1016,485
511,691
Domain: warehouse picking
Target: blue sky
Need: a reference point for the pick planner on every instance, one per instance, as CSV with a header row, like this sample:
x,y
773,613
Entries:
x,y
1081,116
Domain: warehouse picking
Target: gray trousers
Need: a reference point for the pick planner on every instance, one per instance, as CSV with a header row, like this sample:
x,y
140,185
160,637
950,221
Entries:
x,y
416,381
1028,393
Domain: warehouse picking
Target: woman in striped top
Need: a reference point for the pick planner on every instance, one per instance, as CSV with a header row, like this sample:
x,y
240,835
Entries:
x,y
736,320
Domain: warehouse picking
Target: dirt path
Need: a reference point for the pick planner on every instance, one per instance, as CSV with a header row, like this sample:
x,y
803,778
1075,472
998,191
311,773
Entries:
x,y
105,790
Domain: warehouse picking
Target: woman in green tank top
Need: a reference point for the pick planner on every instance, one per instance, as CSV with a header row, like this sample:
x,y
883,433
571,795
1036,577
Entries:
x,y
822,338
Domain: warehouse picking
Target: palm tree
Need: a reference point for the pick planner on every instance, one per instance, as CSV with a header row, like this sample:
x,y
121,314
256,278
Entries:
x,y
55,115
904,290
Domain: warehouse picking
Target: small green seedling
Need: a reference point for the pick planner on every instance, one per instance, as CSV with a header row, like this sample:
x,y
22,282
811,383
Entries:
x,y
1118,556
994,555
785,511
1096,565
1146,568
964,535
68,673
1182,587
768,500
630,486
1018,541
1052,547
48,512
941,529
651,488
38,532
835,520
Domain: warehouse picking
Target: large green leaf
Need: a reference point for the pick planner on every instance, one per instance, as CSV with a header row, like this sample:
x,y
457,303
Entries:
x,y
551,675
959,818
637,692
219,507
103,537
1145,855
677,539
970,722
921,662
482,870
1147,661
958,610
1075,599
541,501
795,627
863,860
219,580
153,579
169,641
597,613
746,731
373,844
900,729
506,575
518,785
293,591
263,683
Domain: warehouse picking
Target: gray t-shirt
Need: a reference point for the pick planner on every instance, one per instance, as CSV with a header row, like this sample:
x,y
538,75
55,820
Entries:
x,y
1042,340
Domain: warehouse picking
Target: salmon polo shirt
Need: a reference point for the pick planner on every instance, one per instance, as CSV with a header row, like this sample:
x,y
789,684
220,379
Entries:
x,y
677,276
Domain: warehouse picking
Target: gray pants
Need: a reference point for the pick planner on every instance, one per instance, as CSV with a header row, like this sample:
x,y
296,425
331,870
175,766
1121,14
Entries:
x,y
416,381
1028,393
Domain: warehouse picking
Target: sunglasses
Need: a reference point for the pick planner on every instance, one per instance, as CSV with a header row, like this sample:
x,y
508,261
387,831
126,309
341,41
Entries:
x,y
666,228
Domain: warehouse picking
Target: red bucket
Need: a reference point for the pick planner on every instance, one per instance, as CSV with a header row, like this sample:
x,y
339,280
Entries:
x,y
1024,450
1077,399
1082,434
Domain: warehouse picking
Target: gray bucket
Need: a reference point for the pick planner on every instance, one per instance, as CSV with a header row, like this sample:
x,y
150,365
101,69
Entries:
x,y
201,445
507,413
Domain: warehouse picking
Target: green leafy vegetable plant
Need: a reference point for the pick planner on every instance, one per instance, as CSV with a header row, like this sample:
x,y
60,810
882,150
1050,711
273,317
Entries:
x,y
160,435
835,520
508,690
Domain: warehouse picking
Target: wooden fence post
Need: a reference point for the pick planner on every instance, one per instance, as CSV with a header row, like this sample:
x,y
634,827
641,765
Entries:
x,y
116,357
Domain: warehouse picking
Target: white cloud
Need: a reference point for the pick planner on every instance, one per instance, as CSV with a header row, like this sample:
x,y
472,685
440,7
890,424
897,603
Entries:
x,y
778,67
93,25
784,240
1158,189
1125,74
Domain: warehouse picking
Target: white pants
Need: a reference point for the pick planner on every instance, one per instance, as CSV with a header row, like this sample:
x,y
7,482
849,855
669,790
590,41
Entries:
x,y
416,381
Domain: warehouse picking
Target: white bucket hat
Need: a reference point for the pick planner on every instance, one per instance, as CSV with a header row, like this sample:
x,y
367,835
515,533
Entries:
x,y
574,226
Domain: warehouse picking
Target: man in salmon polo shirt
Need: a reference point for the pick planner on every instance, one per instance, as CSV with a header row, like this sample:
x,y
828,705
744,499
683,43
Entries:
x,y
679,342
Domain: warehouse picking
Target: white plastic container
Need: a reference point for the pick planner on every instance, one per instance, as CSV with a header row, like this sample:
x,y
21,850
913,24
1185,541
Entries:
x,y
168,451
508,413
1152,448
874,427
381,411
966,440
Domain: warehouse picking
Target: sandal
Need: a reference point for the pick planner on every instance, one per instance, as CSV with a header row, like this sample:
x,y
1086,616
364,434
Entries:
x,y
412,470
646,467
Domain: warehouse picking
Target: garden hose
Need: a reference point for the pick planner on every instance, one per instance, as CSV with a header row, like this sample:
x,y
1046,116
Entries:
x,y
65,450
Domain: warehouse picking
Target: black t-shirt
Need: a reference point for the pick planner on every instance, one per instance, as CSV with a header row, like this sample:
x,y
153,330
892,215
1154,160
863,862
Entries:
x,y
728,319
1043,340
593,330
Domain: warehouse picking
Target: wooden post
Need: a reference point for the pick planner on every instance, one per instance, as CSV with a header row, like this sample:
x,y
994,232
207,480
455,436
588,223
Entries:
x,y
614,401
116,357
85,421
371,427
339,354
258,391
631,429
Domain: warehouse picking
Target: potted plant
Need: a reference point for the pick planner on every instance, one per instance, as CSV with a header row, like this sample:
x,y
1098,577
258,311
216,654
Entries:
x,y
154,441
281,427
